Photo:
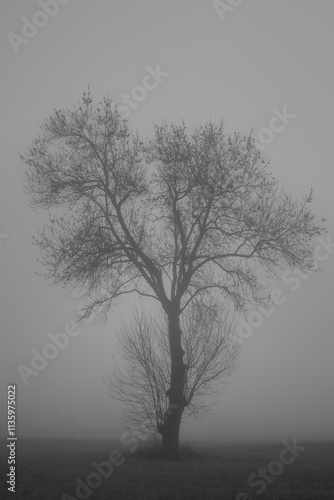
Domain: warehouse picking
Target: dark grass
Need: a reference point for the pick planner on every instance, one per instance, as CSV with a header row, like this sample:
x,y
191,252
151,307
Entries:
x,y
47,469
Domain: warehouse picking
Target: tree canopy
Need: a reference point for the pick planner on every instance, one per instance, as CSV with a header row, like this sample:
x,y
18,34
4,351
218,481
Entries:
x,y
174,218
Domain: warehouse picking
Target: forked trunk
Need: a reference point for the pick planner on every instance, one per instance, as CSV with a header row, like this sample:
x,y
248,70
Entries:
x,y
175,393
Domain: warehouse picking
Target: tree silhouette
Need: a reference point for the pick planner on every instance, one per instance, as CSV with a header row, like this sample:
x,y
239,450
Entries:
x,y
177,219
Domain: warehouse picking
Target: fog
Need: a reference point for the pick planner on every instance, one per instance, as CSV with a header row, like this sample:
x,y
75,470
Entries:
x,y
263,56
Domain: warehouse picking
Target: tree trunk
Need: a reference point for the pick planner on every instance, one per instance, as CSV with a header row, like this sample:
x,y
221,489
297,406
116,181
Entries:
x,y
173,416
170,433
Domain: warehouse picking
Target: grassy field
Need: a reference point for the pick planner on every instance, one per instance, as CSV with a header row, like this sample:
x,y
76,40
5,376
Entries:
x,y
50,469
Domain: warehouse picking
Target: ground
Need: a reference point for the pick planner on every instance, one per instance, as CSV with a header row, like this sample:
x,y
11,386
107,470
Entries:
x,y
49,469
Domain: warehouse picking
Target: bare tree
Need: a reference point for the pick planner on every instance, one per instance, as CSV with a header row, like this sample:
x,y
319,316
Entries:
x,y
177,219
211,353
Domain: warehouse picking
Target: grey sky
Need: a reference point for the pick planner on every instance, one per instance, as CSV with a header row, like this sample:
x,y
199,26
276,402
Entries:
x,y
263,56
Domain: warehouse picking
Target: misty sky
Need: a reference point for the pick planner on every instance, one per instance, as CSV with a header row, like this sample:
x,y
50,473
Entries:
x,y
263,55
